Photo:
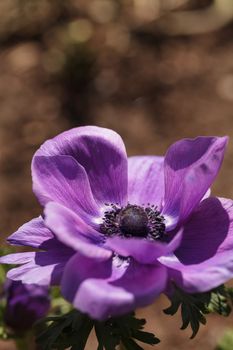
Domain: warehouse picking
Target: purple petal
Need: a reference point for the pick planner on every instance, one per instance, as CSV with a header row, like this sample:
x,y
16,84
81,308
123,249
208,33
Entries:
x,y
143,251
145,282
62,179
42,268
104,289
102,153
146,180
207,194
206,231
204,259
200,277
17,258
71,230
34,234
190,166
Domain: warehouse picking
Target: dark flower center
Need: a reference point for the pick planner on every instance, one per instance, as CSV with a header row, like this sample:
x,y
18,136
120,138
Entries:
x,y
133,221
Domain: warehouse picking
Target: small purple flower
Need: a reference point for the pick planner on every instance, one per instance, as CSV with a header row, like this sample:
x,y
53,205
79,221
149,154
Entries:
x,y
117,231
25,304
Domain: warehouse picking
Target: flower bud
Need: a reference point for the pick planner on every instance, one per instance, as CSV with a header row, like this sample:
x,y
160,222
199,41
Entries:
x,y
25,304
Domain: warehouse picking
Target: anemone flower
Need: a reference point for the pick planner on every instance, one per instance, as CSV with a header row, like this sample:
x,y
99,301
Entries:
x,y
116,231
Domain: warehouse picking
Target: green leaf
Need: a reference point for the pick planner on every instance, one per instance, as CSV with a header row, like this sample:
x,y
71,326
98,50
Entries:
x,y
229,292
195,306
4,335
130,344
68,331
219,301
123,330
73,329
145,337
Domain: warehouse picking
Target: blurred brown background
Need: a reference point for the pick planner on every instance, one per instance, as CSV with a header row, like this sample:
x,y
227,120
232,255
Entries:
x,y
155,71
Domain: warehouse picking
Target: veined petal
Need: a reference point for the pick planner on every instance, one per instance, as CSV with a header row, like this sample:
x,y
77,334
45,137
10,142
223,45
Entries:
x,y
34,234
42,268
102,153
146,180
204,259
63,180
143,251
199,278
72,231
207,231
104,289
17,258
190,166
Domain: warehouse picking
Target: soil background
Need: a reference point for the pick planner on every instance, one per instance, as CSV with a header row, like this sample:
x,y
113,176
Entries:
x,y
113,64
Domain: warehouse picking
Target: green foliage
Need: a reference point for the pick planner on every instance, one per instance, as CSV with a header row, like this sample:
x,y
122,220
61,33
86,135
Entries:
x,y
195,306
226,342
4,268
220,301
230,294
4,334
68,331
3,331
123,330
2,274
73,329
59,305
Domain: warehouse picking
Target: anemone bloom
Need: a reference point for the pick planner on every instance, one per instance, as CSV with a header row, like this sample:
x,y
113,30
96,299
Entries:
x,y
116,231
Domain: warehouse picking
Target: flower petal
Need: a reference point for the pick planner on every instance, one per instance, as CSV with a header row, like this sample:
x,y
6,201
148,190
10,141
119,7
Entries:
x,y
17,258
62,179
104,289
146,180
102,153
143,251
204,259
42,268
206,231
34,234
190,166
71,230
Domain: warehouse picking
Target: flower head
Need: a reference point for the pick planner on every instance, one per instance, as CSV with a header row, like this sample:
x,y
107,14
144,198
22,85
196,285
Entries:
x,y
25,304
116,230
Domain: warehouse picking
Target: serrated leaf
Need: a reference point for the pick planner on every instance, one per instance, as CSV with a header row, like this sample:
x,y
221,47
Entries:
x,y
123,330
72,331
195,306
173,308
107,337
219,301
229,292
69,331
130,344
145,337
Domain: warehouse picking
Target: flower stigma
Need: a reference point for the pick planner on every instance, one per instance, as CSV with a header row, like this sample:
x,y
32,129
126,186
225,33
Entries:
x,y
133,221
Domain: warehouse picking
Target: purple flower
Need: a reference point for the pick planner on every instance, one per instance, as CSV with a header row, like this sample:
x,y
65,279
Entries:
x,y
116,231
25,304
